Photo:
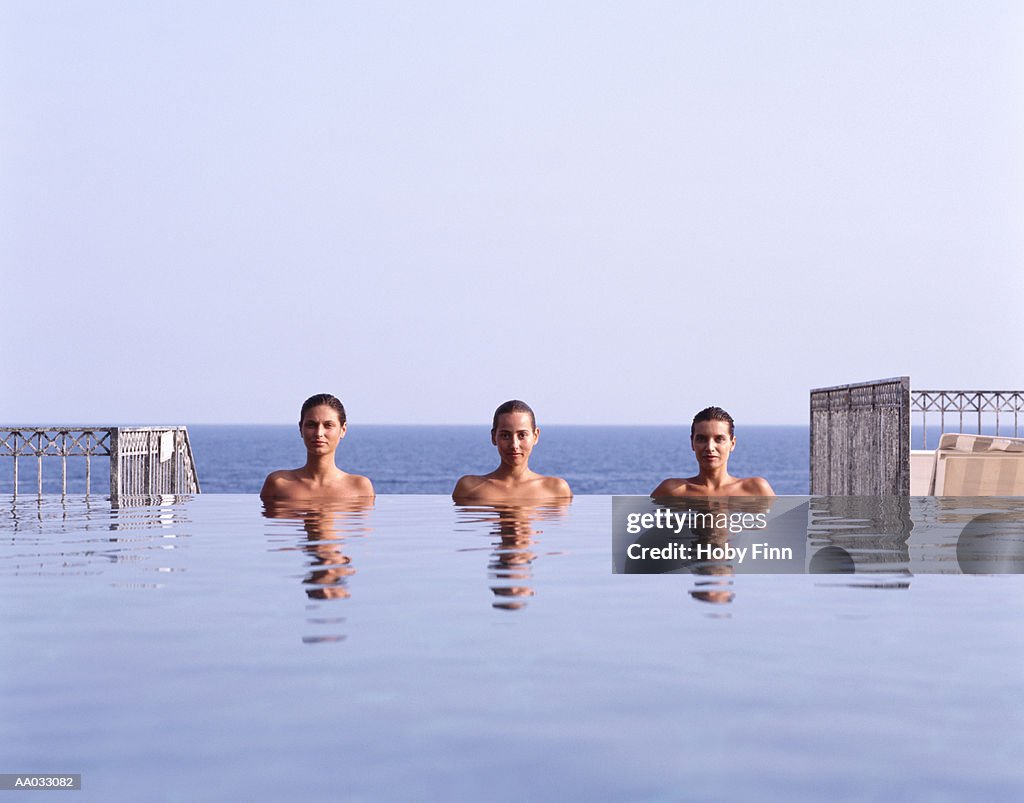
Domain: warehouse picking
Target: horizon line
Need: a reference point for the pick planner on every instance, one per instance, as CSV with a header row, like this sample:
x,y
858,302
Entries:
x,y
82,425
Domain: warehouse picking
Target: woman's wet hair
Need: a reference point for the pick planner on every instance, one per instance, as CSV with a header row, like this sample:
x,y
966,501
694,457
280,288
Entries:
x,y
513,406
323,399
713,414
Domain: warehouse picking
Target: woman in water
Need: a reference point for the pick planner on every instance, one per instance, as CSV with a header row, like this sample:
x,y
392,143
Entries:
x,y
322,425
515,433
712,438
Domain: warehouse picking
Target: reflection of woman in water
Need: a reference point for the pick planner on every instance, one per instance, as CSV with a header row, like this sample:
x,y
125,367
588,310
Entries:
x,y
713,577
325,526
713,438
512,558
702,544
322,426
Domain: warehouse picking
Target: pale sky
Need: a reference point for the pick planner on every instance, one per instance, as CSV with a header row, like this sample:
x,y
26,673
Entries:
x,y
619,212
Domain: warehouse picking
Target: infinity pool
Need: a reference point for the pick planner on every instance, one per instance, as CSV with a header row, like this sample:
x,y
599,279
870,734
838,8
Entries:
x,y
203,650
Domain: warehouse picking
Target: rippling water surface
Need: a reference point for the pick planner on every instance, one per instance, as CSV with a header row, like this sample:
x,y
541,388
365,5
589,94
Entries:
x,y
410,649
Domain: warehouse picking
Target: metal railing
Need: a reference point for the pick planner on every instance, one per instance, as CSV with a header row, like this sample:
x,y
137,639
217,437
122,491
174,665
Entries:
x,y
144,461
982,407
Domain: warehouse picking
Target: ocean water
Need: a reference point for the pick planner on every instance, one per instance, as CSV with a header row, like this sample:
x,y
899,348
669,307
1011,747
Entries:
x,y
429,459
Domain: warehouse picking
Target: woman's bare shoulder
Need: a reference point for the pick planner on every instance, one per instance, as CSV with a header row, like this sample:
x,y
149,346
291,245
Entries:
x,y
359,485
673,486
555,487
756,486
284,474
468,486
277,482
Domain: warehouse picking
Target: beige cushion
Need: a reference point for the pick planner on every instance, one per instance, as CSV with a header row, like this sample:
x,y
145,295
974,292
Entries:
x,y
979,465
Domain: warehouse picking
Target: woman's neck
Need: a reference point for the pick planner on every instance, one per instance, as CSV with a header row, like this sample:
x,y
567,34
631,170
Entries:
x,y
320,465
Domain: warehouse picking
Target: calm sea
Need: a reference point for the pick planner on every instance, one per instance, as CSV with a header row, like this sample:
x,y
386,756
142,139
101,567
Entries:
x,y
423,459
429,459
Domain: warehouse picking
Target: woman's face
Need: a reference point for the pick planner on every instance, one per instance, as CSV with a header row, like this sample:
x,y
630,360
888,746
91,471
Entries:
x,y
321,429
712,443
515,437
